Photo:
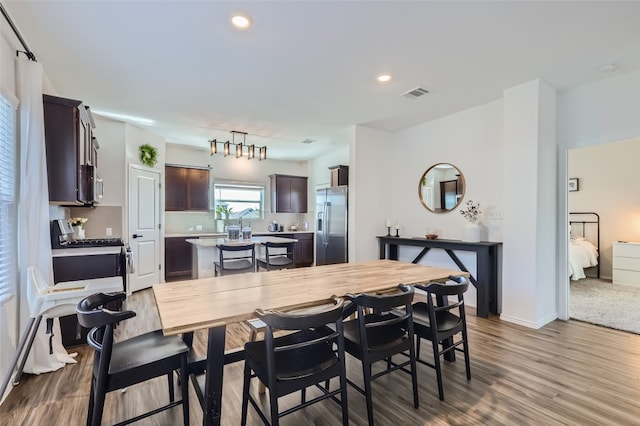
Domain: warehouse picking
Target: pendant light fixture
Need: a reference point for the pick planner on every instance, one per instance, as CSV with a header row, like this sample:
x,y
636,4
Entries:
x,y
239,146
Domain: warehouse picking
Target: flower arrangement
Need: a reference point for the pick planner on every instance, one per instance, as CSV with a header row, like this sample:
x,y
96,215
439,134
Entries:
x,y
78,221
471,212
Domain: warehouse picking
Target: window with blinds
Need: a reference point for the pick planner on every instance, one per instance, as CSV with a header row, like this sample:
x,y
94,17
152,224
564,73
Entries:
x,y
8,202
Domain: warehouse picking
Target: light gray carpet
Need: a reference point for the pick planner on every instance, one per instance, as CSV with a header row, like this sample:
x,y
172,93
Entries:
x,y
602,303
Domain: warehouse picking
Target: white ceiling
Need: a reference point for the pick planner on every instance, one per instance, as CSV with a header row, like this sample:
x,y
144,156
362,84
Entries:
x,y
306,69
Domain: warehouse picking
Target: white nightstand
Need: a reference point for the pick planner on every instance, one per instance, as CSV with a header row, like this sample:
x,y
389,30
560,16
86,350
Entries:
x,y
626,263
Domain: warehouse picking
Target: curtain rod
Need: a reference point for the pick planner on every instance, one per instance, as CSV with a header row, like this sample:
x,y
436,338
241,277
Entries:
x,y
26,51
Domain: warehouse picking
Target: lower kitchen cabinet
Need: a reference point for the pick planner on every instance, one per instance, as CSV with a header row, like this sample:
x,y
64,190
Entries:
x,y
178,259
303,249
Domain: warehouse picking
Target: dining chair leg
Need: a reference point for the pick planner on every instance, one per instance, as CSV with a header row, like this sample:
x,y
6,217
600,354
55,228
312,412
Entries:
x,y
467,361
343,396
303,396
273,401
245,393
367,390
414,376
437,364
171,389
185,391
98,404
92,393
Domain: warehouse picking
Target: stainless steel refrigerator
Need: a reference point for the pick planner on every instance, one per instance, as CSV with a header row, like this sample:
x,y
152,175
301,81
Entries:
x,y
331,225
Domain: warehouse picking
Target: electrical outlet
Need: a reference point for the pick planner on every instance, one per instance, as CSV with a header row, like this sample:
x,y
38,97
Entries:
x,y
109,232
496,215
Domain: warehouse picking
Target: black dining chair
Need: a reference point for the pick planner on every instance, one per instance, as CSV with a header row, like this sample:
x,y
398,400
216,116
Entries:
x,y
377,334
231,261
276,259
117,365
440,322
311,354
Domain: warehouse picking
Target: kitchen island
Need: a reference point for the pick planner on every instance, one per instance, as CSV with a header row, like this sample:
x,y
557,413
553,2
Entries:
x,y
205,251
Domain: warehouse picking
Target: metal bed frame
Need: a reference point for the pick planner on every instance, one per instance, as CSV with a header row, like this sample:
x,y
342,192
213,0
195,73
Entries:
x,y
587,223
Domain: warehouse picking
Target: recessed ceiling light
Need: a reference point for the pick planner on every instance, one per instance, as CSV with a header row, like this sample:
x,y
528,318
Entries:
x,y
609,68
384,78
241,21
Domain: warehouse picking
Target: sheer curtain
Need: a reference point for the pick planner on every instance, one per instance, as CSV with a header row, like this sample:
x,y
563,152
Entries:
x,y
33,212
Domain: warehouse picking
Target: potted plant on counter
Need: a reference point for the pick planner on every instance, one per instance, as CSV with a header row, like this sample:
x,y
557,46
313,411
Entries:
x,y
221,210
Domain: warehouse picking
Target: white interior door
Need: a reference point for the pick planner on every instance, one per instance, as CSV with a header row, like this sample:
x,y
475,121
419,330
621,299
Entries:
x,y
144,227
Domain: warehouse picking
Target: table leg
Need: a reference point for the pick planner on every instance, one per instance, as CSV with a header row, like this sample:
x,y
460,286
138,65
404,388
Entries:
x,y
484,293
382,250
213,381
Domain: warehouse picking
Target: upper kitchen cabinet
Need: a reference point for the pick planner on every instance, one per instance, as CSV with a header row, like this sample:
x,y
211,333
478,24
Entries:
x,y
71,151
288,194
186,189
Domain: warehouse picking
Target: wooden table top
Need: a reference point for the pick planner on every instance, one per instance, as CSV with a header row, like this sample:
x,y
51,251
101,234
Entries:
x,y
209,302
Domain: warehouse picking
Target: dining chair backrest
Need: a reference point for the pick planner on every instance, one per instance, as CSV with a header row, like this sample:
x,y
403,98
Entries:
x,y
381,329
276,259
311,353
229,261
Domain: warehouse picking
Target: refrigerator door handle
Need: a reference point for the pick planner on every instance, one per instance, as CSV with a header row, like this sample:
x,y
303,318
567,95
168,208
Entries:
x,y
327,230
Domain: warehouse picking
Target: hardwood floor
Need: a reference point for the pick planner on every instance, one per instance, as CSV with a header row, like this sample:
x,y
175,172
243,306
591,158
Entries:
x,y
567,373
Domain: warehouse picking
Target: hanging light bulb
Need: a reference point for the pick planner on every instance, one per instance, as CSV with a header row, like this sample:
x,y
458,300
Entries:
x,y
227,148
214,146
263,153
251,152
239,150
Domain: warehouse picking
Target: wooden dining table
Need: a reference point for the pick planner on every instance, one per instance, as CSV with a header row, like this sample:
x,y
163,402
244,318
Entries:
x,y
212,303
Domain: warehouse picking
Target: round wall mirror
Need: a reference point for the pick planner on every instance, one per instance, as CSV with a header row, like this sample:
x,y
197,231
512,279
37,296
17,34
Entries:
x,y
441,188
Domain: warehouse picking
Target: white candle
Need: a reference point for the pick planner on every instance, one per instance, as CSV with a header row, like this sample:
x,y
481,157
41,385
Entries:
x,y
397,226
388,223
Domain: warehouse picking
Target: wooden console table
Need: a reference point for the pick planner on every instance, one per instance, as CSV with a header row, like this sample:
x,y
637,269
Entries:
x,y
486,281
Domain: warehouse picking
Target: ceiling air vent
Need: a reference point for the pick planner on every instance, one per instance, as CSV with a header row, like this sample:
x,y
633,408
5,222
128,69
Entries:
x,y
415,93
307,140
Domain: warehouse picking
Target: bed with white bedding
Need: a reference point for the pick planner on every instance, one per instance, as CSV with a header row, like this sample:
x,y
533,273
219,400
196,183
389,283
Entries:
x,y
584,243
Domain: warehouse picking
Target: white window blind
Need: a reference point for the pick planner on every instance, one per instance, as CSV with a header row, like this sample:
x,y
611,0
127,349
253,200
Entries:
x,y
8,202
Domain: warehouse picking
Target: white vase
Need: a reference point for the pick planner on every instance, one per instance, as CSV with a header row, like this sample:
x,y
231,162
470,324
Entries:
x,y
78,233
471,232
219,226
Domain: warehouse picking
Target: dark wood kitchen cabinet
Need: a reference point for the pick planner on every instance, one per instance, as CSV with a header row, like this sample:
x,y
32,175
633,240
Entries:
x,y
178,259
302,249
186,189
288,194
69,146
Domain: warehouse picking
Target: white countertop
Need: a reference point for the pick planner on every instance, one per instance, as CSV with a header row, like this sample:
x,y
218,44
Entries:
x,y
213,242
223,235
85,251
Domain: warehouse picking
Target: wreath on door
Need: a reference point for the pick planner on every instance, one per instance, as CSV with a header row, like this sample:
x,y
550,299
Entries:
x,y
148,155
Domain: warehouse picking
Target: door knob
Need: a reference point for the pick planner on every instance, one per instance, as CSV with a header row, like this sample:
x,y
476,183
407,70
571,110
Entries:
x,y
136,236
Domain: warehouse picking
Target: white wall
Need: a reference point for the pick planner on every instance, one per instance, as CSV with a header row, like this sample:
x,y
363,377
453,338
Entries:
x,y
370,189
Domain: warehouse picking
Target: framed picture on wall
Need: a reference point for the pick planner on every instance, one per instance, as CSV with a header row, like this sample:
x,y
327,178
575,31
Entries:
x,y
573,184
